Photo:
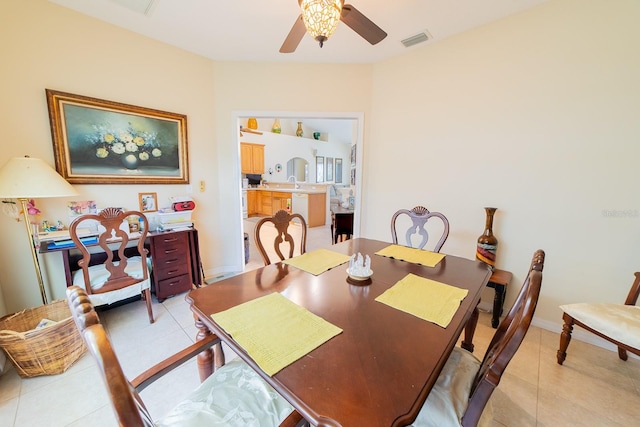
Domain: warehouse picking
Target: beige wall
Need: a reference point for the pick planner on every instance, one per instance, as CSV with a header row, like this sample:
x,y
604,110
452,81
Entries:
x,y
535,114
274,88
53,47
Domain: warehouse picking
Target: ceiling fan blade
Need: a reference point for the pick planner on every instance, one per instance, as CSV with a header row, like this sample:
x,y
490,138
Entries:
x,y
362,25
294,37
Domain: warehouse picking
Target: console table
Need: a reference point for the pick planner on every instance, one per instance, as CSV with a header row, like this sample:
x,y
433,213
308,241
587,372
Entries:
x,y
175,261
341,223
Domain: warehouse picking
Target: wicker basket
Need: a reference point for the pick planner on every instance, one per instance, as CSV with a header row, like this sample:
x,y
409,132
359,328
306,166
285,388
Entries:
x,y
46,351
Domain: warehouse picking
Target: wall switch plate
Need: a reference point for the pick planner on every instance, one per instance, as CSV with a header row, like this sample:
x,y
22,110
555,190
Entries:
x,y
202,186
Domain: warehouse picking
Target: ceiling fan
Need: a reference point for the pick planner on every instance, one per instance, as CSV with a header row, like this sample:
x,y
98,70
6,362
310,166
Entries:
x,y
321,17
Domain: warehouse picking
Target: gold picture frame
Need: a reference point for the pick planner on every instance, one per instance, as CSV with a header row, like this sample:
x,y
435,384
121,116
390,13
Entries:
x,y
148,202
104,142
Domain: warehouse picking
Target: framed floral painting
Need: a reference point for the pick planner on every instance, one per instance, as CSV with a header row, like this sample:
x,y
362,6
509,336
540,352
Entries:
x,y
105,142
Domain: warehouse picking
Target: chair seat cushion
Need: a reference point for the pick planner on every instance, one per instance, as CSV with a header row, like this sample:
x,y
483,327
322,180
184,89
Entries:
x,y
618,321
99,275
449,397
234,395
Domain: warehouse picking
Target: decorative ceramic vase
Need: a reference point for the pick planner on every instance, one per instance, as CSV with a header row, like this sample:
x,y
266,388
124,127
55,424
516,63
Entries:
x,y
276,126
316,135
252,123
130,161
487,242
299,130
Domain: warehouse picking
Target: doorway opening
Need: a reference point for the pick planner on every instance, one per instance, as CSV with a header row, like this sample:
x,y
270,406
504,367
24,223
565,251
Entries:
x,y
328,155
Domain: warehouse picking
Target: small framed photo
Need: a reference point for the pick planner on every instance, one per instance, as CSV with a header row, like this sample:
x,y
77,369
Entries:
x,y
148,202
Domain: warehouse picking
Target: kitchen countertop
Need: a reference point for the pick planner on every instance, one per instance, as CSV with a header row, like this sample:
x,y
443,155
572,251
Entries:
x,y
290,190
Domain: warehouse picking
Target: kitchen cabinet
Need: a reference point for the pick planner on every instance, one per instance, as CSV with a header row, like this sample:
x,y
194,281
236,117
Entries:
x,y
265,203
273,201
317,209
281,201
312,206
252,158
252,203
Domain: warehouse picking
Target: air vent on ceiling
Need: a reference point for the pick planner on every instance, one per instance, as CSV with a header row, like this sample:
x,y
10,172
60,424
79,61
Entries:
x,y
144,7
418,38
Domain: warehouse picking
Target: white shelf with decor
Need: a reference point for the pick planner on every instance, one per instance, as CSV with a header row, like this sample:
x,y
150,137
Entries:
x,y
288,129
280,149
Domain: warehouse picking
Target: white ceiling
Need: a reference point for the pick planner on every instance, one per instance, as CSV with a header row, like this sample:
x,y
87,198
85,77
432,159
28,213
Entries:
x,y
253,30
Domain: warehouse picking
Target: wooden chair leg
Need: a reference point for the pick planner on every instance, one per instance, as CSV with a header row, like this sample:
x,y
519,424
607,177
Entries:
x,y
565,338
146,295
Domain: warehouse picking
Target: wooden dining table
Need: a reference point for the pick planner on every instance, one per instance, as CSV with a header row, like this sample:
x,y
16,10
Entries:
x,y
381,368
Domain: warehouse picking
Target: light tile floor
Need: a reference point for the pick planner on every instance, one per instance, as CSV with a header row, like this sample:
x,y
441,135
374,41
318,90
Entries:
x,y
593,388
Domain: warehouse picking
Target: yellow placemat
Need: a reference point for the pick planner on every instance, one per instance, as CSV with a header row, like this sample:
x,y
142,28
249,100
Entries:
x,y
275,331
424,298
417,256
318,261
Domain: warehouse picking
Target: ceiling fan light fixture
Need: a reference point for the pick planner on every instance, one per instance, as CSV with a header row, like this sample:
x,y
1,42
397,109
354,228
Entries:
x,y
321,17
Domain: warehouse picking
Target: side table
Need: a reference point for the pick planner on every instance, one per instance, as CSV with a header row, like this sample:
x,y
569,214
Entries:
x,y
498,281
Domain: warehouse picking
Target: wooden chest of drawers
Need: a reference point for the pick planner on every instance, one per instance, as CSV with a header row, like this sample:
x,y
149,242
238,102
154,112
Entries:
x,y
175,262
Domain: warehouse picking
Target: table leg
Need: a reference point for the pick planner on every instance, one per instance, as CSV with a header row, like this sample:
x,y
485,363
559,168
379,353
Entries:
x,y
469,331
67,267
498,304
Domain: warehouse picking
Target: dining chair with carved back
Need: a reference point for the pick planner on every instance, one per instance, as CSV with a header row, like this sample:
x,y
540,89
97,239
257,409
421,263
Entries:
x,y
233,395
281,220
120,271
617,323
465,384
419,217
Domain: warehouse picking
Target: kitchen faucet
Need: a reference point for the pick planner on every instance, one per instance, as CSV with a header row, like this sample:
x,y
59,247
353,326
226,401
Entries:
x,y
295,181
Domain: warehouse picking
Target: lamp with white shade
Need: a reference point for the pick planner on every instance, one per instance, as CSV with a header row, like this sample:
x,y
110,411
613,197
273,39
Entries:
x,y
26,178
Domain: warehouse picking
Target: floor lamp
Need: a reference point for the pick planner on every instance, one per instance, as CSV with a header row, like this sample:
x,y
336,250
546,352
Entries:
x,y
26,178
